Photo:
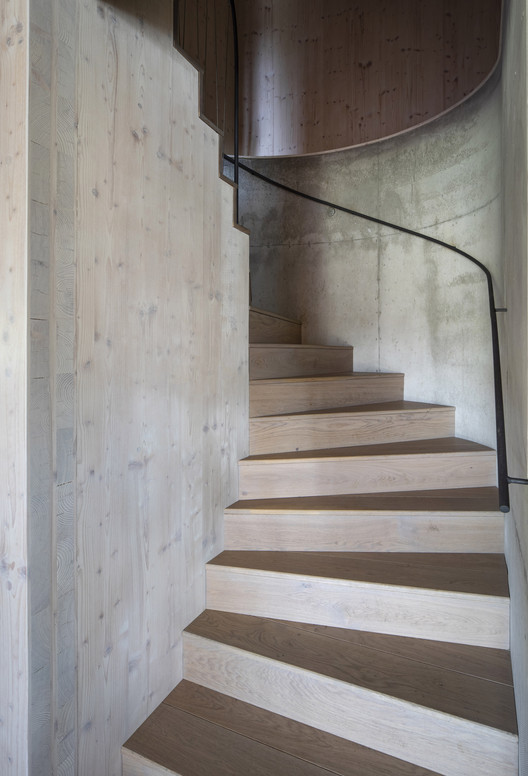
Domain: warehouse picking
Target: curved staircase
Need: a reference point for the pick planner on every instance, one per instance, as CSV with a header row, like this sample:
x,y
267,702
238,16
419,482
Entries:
x,y
357,622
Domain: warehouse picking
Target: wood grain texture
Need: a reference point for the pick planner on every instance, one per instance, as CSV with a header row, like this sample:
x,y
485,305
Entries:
x,y
478,573
493,665
371,662
384,600
272,328
317,76
431,739
198,747
448,500
14,504
398,466
387,422
204,34
161,359
364,532
268,360
311,746
272,397
418,447
51,430
136,765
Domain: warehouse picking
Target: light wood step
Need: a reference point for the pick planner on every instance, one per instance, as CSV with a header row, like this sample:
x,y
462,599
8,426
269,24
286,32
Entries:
x,y
399,466
275,396
297,360
397,421
461,598
408,706
270,327
200,732
461,520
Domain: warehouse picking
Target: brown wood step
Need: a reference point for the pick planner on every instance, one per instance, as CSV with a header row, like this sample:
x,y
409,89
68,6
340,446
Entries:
x,y
397,421
461,598
269,327
275,396
179,736
461,520
399,466
448,500
418,708
267,360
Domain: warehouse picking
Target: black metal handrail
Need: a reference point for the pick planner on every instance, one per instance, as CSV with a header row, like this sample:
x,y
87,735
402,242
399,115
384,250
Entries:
x,y
502,464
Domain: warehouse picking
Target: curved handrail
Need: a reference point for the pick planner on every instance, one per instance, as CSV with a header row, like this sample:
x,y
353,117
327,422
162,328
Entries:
x,y
502,464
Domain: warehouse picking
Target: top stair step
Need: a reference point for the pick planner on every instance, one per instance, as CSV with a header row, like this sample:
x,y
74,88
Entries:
x,y
267,360
271,327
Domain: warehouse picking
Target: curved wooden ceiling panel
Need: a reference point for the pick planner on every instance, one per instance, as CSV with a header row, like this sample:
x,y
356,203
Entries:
x,y
320,75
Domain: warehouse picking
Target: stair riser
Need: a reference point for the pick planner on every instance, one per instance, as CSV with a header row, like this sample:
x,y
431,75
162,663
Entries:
x,y
266,361
364,533
316,433
448,745
401,611
135,765
268,328
282,479
299,396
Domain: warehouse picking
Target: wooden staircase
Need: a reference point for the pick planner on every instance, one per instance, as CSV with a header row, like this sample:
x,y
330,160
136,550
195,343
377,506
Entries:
x,y
357,622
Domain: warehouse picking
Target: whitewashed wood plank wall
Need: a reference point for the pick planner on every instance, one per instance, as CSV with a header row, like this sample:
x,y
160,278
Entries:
x,y
14,671
161,354
138,306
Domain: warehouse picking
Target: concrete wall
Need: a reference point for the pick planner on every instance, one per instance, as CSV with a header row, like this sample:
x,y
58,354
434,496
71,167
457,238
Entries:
x,y
14,605
515,336
405,305
136,284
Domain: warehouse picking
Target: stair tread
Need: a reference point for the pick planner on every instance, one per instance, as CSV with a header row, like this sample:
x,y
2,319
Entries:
x,y
359,409
483,574
438,501
421,447
325,378
309,744
186,745
414,680
197,731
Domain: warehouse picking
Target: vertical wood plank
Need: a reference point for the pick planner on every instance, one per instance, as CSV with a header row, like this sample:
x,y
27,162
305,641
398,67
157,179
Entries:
x,y
51,538
14,80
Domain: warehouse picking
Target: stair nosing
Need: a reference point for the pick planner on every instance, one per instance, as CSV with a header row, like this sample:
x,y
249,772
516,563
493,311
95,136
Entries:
x,y
232,510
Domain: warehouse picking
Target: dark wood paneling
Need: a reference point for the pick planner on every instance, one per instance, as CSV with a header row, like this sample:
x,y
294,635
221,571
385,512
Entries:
x,y
328,74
